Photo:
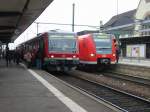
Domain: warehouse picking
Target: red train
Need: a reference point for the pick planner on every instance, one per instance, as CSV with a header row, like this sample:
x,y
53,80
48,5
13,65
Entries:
x,y
61,51
96,49
56,50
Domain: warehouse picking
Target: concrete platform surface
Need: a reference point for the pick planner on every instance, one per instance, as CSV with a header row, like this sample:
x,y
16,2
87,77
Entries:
x,y
26,90
134,61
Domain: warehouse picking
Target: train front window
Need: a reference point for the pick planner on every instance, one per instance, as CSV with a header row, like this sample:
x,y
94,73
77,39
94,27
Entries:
x,y
62,43
103,44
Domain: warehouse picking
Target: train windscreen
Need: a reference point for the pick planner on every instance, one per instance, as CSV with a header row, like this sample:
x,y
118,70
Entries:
x,y
62,43
103,43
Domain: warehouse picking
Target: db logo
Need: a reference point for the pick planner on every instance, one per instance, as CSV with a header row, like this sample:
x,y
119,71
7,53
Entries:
x,y
103,56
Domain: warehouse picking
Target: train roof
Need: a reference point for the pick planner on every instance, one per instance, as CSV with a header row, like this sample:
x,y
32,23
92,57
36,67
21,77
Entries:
x,y
95,32
84,32
49,32
60,32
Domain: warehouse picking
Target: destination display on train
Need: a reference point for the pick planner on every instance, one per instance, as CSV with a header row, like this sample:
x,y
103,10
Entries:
x,y
101,36
62,36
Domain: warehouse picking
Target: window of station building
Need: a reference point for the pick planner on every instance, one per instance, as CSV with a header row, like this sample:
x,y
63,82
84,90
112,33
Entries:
x,y
143,26
147,17
146,26
146,33
147,1
143,33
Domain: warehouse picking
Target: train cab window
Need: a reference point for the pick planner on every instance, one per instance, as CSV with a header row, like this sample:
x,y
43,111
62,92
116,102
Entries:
x,y
147,1
62,43
103,43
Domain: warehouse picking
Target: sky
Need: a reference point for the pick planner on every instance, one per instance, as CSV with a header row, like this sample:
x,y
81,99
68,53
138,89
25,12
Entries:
x,y
87,12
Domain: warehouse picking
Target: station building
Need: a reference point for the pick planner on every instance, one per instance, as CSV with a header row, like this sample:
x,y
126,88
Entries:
x,y
132,29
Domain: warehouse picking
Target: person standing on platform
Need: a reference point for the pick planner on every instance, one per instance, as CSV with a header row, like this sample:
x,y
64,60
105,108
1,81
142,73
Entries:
x,y
33,59
39,59
7,56
117,53
17,56
28,57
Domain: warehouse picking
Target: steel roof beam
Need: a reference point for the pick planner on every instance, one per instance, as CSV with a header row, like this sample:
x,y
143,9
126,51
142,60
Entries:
x,y
7,40
24,9
6,33
3,38
9,14
7,27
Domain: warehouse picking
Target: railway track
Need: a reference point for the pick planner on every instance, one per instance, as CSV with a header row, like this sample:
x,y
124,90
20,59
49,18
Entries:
x,y
123,101
128,78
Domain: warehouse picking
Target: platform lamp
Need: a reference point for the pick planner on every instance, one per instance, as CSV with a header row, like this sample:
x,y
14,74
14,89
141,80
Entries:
x,y
37,27
73,14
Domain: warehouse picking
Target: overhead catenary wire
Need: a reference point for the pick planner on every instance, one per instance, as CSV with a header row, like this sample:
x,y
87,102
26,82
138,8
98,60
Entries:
x,y
97,27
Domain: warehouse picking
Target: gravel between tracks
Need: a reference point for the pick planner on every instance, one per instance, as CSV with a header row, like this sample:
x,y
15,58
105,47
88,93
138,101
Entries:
x,y
127,86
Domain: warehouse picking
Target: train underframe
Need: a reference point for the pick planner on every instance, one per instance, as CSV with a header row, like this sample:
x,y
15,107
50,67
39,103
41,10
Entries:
x,y
61,65
100,65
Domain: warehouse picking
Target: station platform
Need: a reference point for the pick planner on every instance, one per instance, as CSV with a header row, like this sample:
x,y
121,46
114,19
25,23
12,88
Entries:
x,y
32,90
134,61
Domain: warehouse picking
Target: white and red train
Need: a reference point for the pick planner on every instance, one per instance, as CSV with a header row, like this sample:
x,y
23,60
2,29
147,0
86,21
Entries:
x,y
59,50
66,50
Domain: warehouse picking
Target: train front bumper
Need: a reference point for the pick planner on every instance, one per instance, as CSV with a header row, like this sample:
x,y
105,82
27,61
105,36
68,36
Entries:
x,y
64,61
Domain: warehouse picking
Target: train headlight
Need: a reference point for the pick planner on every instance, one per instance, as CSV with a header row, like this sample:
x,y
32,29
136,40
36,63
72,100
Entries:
x,y
92,54
52,56
114,54
74,56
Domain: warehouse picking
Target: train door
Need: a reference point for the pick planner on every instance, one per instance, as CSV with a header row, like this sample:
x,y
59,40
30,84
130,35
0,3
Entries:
x,y
83,48
41,47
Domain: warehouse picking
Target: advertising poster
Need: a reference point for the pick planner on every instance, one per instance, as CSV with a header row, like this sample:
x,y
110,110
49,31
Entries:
x,y
137,50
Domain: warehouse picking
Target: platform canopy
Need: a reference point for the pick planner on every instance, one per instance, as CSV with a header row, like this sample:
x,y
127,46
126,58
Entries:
x,y
17,15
